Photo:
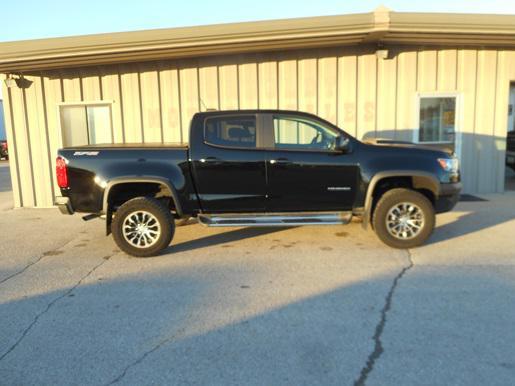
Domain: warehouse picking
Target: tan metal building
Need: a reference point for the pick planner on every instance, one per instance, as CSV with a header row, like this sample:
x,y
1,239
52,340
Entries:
x,y
442,79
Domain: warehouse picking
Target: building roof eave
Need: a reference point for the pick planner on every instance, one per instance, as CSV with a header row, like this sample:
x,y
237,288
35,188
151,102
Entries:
x,y
381,26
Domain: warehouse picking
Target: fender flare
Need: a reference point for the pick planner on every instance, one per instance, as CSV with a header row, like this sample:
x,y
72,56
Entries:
x,y
135,179
421,180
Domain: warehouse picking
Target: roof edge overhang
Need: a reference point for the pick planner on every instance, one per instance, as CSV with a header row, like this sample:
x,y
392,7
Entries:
x,y
380,27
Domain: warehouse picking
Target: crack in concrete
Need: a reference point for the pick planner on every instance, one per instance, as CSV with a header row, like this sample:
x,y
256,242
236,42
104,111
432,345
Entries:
x,y
52,303
45,254
146,354
378,345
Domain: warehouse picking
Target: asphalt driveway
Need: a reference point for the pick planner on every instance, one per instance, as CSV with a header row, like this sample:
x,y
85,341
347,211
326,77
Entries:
x,y
291,306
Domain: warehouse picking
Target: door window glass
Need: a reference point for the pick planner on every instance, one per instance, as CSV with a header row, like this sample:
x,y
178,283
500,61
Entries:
x,y
86,124
231,131
437,119
302,134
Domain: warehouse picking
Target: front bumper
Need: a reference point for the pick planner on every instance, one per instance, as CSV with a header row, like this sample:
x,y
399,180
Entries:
x,y
64,205
448,197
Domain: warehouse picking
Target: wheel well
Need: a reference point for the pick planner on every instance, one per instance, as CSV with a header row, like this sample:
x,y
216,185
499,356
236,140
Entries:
x,y
414,183
123,192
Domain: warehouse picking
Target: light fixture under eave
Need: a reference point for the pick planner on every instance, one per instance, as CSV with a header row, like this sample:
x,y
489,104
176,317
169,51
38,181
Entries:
x,y
10,82
19,82
382,53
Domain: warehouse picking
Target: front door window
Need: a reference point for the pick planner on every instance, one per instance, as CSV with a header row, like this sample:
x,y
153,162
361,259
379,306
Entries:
x,y
295,133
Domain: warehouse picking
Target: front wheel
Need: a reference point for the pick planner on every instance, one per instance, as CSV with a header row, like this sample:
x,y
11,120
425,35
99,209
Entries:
x,y
403,218
142,227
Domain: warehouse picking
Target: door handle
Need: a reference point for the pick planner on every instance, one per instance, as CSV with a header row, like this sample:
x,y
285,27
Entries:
x,y
209,160
280,161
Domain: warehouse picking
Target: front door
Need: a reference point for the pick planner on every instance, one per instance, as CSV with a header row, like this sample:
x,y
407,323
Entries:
x,y
229,168
305,173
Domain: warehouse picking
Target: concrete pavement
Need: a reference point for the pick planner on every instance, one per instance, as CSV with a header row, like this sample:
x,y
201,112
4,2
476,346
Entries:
x,y
291,306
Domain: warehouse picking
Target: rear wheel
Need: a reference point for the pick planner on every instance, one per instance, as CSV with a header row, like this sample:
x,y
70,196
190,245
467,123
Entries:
x,y
142,227
403,218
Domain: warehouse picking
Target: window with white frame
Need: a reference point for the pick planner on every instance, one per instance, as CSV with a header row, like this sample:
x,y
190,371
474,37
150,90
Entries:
x,y
437,119
86,124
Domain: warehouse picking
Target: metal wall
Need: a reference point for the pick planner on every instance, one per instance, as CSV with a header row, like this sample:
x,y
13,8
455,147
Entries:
x,y
2,121
367,96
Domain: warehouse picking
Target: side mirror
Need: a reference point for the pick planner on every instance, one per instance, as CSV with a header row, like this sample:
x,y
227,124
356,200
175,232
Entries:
x,y
342,144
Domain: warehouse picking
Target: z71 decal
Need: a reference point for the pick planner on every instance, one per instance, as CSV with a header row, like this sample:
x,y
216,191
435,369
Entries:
x,y
88,153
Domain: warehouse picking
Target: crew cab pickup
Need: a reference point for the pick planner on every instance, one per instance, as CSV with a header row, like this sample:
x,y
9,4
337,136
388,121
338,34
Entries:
x,y
258,168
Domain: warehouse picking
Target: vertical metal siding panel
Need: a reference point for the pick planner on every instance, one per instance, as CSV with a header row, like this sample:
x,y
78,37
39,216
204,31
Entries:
x,y
90,85
327,88
131,104
208,78
151,113
11,129
110,88
386,98
248,86
427,70
307,83
446,70
366,95
486,82
38,144
53,96
500,120
268,83
466,85
189,96
170,103
347,89
510,64
406,95
228,83
22,147
72,87
51,185
288,84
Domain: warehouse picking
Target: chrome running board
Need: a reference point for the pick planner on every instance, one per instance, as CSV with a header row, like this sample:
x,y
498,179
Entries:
x,y
274,219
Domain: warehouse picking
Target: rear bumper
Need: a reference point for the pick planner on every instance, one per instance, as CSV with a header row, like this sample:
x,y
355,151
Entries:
x,y
448,198
64,205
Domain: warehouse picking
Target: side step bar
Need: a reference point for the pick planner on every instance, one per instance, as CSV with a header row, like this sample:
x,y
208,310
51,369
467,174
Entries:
x,y
274,219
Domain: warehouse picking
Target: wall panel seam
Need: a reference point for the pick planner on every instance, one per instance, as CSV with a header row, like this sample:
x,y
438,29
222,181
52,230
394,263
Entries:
x,y
29,145
17,159
120,92
47,136
180,102
140,100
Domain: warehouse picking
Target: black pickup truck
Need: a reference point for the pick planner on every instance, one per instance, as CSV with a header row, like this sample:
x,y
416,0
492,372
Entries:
x,y
258,168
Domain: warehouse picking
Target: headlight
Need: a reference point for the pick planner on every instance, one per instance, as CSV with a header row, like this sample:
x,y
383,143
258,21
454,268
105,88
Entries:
x,y
449,164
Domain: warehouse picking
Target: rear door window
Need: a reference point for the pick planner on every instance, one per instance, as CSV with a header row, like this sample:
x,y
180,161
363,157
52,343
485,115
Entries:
x,y
237,131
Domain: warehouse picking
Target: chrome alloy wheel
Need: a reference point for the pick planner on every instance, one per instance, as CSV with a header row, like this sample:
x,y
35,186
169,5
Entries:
x,y
141,229
405,220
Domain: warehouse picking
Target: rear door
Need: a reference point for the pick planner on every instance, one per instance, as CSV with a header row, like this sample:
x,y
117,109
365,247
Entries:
x,y
228,165
305,173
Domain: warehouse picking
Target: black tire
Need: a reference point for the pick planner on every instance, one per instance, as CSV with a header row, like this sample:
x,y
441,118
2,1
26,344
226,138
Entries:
x,y
391,201
161,225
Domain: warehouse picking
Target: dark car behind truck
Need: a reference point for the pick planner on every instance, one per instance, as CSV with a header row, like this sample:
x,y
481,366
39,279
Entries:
x,y
258,168
4,151
510,150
